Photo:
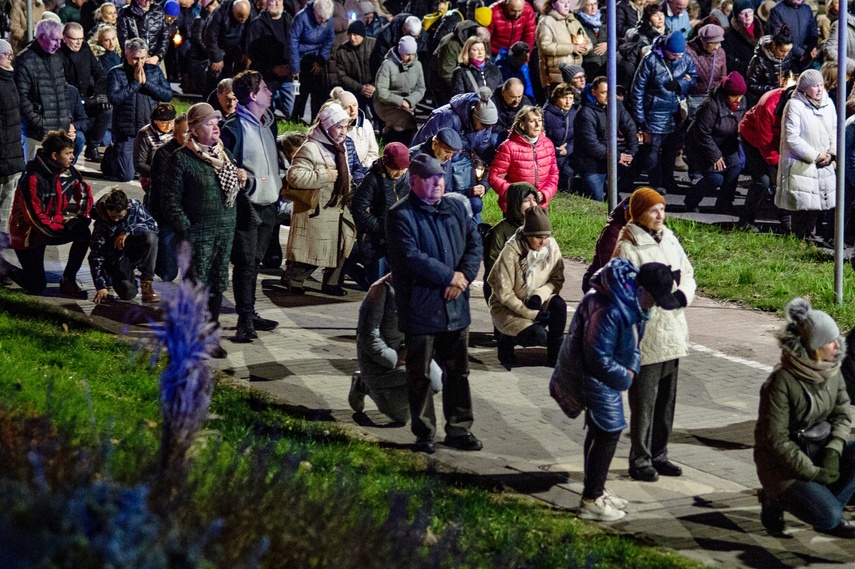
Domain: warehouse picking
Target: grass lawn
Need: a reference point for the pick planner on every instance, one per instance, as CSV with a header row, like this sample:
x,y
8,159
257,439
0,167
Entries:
x,y
79,436
761,271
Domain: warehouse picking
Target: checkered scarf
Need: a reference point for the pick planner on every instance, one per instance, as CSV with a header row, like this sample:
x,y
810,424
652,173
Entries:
x,y
225,169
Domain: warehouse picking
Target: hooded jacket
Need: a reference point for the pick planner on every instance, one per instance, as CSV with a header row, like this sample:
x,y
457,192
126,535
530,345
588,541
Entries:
x,y
654,106
790,402
602,344
457,115
714,133
495,239
514,282
132,22
518,160
102,252
667,334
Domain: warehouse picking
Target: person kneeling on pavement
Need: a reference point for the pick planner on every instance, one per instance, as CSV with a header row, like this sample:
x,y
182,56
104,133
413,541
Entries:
x,y
805,460
600,359
382,356
124,239
526,281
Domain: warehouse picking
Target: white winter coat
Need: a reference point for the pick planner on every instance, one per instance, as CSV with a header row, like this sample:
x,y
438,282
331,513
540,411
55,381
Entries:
x,y
666,336
362,135
806,132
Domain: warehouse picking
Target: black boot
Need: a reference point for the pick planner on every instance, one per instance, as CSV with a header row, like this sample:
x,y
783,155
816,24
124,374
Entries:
x,y
553,348
771,515
506,352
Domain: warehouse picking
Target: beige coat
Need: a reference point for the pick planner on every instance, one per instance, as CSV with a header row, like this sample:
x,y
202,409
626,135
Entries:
x,y
18,22
555,35
513,284
666,336
322,236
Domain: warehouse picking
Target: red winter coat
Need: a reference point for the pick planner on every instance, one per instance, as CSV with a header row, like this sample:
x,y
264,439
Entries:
x,y
505,32
761,127
517,160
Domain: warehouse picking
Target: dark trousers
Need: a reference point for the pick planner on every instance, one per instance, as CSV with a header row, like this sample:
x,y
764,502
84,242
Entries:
x,y
296,272
802,223
451,352
659,159
652,397
540,334
166,266
762,178
599,449
310,84
819,505
33,278
140,251
98,125
705,183
123,159
252,234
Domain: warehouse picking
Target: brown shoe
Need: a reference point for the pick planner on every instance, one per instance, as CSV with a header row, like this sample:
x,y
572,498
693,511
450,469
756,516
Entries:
x,y
148,294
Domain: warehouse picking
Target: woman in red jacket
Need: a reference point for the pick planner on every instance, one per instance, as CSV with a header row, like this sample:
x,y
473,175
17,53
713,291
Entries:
x,y
526,156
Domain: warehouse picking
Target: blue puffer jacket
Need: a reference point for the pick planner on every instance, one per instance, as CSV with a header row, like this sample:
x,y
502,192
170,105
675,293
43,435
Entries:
x,y
652,104
603,343
133,102
310,38
427,244
457,115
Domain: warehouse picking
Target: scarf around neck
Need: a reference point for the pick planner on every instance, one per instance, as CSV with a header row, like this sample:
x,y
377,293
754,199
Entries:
x,y
811,370
594,21
216,157
341,186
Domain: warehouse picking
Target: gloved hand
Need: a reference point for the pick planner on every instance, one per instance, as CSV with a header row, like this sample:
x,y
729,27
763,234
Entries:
x,y
103,102
681,298
830,462
825,477
542,317
673,85
534,303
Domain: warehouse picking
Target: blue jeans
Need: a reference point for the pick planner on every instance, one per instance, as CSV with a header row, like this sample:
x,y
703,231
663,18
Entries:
x,y
818,505
166,266
283,98
79,143
593,185
710,181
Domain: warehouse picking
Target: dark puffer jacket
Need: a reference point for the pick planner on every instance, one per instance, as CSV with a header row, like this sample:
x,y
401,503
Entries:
x,y
133,102
711,67
764,70
151,26
102,252
372,199
631,51
714,133
387,39
457,115
739,45
591,134
627,18
654,106
41,90
427,244
11,151
468,78
603,343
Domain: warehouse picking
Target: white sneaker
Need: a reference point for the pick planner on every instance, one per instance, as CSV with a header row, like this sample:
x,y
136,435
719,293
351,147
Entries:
x,y
616,501
600,510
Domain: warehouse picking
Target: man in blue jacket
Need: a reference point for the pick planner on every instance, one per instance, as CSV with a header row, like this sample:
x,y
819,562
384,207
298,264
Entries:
x,y
803,29
435,252
663,77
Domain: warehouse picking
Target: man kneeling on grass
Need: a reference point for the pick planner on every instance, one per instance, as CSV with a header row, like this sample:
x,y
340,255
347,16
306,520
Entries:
x,y
124,239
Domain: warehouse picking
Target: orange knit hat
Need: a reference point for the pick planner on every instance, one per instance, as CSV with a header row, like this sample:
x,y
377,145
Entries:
x,y
641,200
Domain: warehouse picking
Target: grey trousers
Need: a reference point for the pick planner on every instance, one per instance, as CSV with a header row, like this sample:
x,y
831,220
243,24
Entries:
x,y
391,395
652,397
451,352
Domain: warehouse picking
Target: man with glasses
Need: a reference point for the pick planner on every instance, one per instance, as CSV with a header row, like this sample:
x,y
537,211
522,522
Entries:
x,y
41,87
84,72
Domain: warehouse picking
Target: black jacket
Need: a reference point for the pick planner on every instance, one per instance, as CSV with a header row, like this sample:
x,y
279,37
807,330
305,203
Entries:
x,y
268,45
468,78
11,151
159,175
132,102
83,70
507,114
223,34
41,88
714,132
763,71
558,126
590,131
739,45
102,252
630,52
626,16
372,199
354,69
132,22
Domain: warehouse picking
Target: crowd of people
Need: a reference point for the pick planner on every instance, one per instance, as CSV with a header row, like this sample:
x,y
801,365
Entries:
x,y
510,97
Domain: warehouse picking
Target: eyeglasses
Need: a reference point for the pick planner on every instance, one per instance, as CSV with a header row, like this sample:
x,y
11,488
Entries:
x,y
8,54
69,38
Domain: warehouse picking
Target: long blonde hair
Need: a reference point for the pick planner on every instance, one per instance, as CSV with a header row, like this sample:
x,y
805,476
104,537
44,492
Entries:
x,y
96,37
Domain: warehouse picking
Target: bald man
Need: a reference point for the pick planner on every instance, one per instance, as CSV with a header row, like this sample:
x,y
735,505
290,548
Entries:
x,y
513,21
224,40
509,99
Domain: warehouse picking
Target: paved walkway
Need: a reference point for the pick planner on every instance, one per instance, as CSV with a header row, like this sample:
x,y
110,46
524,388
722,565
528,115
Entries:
x,y
710,514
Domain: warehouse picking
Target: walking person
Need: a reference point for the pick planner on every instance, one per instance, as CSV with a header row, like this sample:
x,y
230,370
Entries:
x,y
805,460
602,355
653,394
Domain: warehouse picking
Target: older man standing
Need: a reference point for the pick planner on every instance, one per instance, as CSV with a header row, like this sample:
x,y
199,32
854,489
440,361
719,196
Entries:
x,y
435,253
513,21
41,87
268,41
676,16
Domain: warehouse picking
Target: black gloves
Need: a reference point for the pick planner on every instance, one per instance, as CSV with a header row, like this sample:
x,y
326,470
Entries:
x,y
534,303
673,85
681,298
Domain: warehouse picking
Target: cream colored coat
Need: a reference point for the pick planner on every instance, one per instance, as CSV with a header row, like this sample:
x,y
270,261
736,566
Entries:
x,y
322,236
555,35
513,284
365,141
18,22
666,336
806,132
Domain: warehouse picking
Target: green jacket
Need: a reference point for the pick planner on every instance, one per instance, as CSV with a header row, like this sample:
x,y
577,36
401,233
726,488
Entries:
x,y
789,403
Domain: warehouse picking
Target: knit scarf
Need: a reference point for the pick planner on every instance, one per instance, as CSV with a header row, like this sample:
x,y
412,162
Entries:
x,y
594,21
809,369
479,65
216,157
341,186
533,260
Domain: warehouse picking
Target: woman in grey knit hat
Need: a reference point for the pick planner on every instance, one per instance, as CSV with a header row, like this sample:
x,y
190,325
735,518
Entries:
x,y
805,461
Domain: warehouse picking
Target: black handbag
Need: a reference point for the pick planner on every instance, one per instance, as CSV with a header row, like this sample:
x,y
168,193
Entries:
x,y
814,438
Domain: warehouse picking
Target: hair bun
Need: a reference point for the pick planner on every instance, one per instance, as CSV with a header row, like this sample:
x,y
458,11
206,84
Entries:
x,y
797,310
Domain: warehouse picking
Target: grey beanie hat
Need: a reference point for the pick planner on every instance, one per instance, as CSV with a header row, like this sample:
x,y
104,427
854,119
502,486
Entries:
x,y
809,78
485,109
815,327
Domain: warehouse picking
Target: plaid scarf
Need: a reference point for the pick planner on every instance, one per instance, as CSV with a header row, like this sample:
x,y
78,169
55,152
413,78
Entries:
x,y
225,169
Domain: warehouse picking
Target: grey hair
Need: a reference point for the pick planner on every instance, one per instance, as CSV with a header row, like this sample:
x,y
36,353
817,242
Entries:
x,y
224,86
136,45
46,27
72,26
323,8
